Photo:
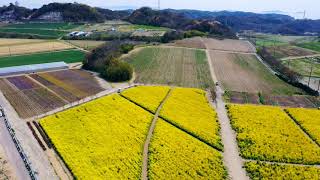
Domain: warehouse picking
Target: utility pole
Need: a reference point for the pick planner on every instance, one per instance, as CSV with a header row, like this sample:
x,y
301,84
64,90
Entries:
x,y
310,75
319,85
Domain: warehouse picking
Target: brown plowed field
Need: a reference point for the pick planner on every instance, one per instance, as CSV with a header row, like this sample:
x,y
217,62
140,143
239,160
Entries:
x,y
229,45
195,42
289,51
245,73
44,92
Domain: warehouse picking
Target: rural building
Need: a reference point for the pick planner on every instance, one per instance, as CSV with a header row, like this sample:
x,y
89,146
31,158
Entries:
x,y
26,69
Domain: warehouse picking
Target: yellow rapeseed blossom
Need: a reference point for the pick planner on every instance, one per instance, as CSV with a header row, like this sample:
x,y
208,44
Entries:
x,y
149,97
260,170
268,133
189,109
174,154
309,120
102,139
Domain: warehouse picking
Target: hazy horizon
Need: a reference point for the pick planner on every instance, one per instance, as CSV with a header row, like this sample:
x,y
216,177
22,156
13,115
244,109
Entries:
x,y
290,7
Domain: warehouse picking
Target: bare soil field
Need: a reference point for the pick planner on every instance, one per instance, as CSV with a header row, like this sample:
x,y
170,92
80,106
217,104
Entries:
x,y
171,66
289,51
88,45
274,100
40,93
32,48
148,33
245,73
11,42
195,42
229,45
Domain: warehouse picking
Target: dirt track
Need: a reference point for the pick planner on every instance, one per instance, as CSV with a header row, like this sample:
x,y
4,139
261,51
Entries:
x,y
144,175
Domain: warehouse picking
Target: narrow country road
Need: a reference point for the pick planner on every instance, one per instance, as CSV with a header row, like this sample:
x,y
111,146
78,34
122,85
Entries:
x,y
144,174
231,157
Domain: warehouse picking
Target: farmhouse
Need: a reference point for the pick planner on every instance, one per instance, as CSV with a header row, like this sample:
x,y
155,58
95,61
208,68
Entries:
x,y
32,68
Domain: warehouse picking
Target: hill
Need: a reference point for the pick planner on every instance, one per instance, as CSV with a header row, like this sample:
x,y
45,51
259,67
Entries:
x,y
13,13
111,15
70,12
147,16
267,23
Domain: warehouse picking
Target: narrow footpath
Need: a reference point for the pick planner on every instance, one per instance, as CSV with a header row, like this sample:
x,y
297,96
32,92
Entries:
x,y
144,174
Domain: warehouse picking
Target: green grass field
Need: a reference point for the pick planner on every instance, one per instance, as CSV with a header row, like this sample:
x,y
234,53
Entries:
x,y
55,26
69,56
303,66
172,66
311,45
40,32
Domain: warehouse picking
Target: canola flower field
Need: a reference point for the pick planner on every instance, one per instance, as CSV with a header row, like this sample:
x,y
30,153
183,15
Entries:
x,y
149,97
175,154
102,139
268,133
188,109
309,120
259,170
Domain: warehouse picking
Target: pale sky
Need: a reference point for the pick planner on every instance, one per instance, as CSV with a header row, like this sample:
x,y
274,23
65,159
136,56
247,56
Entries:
x,y
287,6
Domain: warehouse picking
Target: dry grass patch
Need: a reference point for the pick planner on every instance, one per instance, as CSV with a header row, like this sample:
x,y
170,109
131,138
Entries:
x,y
229,45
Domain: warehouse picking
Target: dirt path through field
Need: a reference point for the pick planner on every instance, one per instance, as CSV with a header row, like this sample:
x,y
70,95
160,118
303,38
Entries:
x,y
299,57
231,157
144,175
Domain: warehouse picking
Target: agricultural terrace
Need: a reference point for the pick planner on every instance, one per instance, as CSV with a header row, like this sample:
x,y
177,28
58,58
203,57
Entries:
x,y
56,26
87,45
45,30
303,66
274,100
259,170
245,73
229,45
102,139
278,40
315,46
171,66
33,95
289,51
309,120
170,153
67,56
195,42
189,110
25,47
149,97
268,134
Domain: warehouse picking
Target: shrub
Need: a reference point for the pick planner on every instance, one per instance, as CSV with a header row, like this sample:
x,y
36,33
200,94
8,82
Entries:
x,y
118,71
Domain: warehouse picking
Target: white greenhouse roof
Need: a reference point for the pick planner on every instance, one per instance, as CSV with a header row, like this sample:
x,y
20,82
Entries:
x,y
32,68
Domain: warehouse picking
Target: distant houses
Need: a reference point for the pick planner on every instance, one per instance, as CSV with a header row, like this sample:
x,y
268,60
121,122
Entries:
x,y
79,34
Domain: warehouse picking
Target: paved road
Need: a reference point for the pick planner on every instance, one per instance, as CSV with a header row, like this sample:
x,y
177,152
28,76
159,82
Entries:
x,y
11,152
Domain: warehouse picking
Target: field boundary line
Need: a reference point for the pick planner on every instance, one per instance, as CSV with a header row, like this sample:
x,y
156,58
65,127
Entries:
x,y
190,133
301,128
39,52
47,88
283,163
144,174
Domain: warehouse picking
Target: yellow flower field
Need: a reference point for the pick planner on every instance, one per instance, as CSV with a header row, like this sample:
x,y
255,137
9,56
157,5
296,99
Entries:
x,y
175,154
268,133
149,97
189,109
102,139
258,170
309,120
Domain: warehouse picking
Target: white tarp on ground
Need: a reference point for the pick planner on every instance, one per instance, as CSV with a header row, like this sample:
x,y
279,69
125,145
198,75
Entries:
x,y
32,68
